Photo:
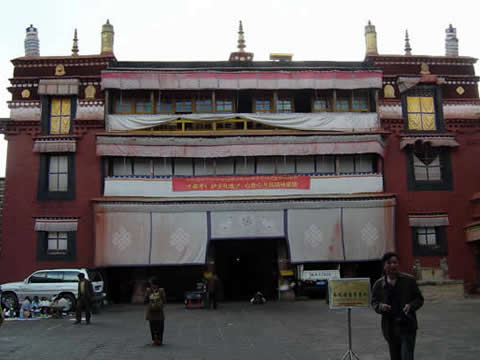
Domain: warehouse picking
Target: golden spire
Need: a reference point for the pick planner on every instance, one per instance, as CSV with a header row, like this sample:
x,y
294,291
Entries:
x,y
107,38
241,54
408,48
241,39
75,44
371,39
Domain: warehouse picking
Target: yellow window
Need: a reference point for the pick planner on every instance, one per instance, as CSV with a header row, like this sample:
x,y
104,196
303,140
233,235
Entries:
x,y
60,116
421,113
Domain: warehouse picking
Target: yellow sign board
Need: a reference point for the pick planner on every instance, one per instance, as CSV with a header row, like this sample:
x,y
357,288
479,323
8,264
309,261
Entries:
x,y
286,272
349,292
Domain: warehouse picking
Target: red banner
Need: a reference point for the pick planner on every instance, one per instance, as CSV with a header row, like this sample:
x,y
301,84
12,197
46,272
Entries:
x,y
221,183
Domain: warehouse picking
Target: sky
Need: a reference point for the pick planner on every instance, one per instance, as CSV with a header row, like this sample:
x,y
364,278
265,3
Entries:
x,y
186,30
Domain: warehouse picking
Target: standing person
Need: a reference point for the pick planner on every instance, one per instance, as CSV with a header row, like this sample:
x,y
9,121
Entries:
x,y
397,297
155,298
212,283
85,295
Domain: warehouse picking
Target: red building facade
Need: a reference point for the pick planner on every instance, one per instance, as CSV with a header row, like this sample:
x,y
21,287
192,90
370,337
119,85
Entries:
x,y
117,165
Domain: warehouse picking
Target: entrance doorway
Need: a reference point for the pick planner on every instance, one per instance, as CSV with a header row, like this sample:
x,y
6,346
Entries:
x,y
246,266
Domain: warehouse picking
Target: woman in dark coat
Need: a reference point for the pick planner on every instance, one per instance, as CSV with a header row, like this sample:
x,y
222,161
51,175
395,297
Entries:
x,y
155,298
397,297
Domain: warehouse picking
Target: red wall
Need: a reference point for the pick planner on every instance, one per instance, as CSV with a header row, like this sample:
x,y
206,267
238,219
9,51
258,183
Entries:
x,y
456,203
18,256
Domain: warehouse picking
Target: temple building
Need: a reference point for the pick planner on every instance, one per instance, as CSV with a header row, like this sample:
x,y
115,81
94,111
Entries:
x,y
254,170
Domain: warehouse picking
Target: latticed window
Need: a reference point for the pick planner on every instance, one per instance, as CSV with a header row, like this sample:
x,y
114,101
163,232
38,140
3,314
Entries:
x,y
203,105
427,166
183,105
58,173
263,104
426,236
60,115
57,243
224,105
321,104
421,110
164,105
284,105
143,105
360,101
342,102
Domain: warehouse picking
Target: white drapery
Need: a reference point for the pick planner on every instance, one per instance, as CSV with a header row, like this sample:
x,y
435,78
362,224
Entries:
x,y
332,121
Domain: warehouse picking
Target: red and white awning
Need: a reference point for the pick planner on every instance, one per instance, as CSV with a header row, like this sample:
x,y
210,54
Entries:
x,y
195,80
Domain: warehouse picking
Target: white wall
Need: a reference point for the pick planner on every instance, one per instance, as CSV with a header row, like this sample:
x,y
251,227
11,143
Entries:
x,y
319,185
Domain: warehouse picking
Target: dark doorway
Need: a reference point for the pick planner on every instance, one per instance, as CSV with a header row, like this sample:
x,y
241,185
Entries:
x,y
246,266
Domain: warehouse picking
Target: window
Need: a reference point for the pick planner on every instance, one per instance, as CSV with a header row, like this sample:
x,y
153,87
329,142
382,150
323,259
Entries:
x,y
342,102
57,243
164,105
428,168
420,109
322,101
183,105
38,278
70,276
57,114
224,105
263,104
143,104
52,245
284,105
60,115
360,100
203,104
56,180
58,173
429,241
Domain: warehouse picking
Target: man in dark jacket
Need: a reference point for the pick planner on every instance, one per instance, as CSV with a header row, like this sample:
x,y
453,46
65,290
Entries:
x,y
85,296
397,297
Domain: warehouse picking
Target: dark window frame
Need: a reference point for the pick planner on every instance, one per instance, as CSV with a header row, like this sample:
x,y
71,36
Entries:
x,y
446,182
437,102
424,250
43,192
42,248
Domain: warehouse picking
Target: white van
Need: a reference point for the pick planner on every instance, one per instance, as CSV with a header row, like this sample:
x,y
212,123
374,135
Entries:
x,y
50,283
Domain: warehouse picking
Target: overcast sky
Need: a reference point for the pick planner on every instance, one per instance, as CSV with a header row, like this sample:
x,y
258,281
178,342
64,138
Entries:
x,y
180,30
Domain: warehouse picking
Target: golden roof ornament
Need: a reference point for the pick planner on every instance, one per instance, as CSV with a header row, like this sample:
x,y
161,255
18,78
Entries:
x,y
75,44
241,39
408,48
107,38
371,39
241,54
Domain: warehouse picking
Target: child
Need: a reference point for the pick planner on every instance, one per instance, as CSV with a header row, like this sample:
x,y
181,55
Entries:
x,y
25,309
44,307
35,306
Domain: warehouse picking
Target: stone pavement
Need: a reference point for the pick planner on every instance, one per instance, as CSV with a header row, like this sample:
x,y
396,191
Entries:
x,y
450,330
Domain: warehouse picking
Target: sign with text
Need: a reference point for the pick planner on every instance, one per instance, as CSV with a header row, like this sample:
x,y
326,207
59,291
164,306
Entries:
x,y
349,292
222,183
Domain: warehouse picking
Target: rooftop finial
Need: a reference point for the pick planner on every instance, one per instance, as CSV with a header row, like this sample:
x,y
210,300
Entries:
x,y
241,39
241,54
451,41
107,39
371,39
75,44
408,48
32,44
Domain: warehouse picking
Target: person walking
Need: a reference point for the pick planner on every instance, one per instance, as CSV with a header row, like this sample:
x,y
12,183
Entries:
x,y
397,297
212,283
155,298
85,296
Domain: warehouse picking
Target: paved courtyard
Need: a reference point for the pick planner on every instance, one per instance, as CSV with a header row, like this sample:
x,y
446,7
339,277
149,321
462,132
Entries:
x,y
299,330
